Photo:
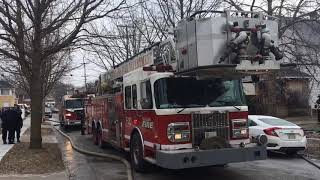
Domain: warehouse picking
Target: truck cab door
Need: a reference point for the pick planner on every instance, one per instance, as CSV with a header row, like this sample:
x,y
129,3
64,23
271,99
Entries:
x,y
114,123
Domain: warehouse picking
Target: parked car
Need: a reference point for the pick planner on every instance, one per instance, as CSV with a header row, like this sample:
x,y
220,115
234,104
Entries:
x,y
47,112
282,135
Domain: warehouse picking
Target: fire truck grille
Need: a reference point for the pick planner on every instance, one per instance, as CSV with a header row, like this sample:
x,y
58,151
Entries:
x,y
209,125
79,113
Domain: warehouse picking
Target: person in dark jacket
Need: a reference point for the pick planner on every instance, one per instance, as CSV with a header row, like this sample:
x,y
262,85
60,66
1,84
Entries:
x,y
4,125
19,122
12,122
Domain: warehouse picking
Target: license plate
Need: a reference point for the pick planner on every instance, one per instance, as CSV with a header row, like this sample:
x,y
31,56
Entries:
x,y
291,136
210,134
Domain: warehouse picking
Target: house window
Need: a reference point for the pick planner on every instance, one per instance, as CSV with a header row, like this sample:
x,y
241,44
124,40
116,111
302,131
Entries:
x,y
5,92
146,95
127,92
134,96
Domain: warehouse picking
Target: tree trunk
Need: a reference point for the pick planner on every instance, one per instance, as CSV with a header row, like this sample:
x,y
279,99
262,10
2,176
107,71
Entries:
x,y
270,11
36,86
36,111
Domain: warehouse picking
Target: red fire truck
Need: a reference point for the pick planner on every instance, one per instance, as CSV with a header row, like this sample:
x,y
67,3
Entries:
x,y
176,105
72,110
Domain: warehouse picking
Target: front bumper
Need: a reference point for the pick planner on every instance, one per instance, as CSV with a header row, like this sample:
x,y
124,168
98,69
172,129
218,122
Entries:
x,y
73,122
180,159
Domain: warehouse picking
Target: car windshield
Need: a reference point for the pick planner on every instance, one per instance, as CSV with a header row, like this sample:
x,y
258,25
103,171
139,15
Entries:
x,y
190,92
73,104
276,122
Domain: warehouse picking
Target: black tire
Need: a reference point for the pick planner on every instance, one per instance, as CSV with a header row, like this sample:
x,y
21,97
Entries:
x,y
61,122
100,142
87,130
65,127
94,136
136,154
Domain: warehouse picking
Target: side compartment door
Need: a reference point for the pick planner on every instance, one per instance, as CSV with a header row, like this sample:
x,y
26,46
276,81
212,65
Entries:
x,y
111,118
114,122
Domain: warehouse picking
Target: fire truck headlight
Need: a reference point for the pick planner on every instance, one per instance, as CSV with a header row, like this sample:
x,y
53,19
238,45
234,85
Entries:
x,y
239,128
178,132
68,114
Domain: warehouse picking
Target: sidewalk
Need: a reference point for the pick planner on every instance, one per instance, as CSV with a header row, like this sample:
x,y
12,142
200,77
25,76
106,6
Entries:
x,y
4,148
25,137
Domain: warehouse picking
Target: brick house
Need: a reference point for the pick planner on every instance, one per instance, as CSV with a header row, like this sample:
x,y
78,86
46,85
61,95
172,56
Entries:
x,y
7,94
283,94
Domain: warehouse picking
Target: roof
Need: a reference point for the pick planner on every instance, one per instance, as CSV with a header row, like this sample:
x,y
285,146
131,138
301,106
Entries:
x,y
5,84
293,74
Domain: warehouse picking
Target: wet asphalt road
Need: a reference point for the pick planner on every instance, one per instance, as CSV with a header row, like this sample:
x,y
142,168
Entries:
x,y
276,167
82,167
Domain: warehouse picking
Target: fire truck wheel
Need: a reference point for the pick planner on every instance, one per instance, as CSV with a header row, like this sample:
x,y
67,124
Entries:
x,y
101,143
94,136
61,122
136,153
87,130
66,128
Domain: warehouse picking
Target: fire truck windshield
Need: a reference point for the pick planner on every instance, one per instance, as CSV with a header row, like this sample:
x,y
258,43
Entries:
x,y
74,104
189,92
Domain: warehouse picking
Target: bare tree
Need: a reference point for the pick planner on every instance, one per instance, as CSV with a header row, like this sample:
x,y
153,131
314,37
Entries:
x,y
35,31
166,14
144,23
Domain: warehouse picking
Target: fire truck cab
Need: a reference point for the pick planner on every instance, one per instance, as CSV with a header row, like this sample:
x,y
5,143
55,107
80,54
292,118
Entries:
x,y
71,110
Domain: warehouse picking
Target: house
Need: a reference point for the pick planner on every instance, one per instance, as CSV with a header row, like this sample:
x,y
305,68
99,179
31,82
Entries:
x,y
7,94
301,44
283,94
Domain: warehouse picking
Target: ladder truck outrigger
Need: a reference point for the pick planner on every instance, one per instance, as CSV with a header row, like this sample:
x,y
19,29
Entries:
x,y
180,103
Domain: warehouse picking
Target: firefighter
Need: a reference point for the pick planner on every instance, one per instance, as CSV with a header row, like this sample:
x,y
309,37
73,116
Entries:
x,y
317,106
12,121
4,125
82,118
19,121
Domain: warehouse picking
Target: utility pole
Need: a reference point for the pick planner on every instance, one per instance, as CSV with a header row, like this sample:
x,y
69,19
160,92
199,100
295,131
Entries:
x,y
84,74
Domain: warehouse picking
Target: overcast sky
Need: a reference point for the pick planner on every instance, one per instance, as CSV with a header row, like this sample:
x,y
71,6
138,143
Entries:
x,y
76,77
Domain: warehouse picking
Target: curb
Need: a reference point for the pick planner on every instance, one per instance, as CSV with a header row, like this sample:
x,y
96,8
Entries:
x,y
309,161
30,175
124,161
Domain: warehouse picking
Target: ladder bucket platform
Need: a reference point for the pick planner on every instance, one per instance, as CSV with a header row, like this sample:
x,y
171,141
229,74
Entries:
x,y
228,44
234,70
246,67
